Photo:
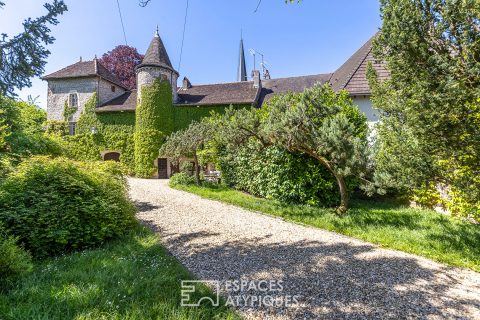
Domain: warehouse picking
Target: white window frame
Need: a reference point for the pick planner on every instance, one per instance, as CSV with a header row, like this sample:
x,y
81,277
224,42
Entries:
x,y
70,95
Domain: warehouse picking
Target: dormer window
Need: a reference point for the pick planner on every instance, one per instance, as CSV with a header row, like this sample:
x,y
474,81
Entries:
x,y
113,88
73,100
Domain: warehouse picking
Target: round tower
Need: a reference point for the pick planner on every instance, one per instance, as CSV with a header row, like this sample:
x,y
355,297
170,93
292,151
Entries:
x,y
156,65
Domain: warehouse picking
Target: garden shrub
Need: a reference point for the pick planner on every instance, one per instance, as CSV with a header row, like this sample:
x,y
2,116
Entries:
x,y
182,178
14,261
56,205
275,173
154,121
21,130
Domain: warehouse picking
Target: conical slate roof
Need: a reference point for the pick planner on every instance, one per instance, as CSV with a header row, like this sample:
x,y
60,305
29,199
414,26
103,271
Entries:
x,y
242,69
157,55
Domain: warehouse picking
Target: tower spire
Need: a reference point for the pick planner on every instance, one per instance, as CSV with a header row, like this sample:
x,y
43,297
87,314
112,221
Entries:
x,y
156,32
242,68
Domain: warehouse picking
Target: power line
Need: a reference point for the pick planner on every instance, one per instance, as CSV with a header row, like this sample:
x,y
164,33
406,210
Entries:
x,y
121,20
183,37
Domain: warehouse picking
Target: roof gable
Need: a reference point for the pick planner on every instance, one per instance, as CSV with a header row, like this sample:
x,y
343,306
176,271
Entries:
x,y
84,69
352,75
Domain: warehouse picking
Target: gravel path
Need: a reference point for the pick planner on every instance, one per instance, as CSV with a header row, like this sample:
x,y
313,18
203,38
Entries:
x,y
331,276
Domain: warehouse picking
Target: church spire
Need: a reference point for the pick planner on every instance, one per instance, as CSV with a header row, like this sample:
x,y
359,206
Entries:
x,y
242,68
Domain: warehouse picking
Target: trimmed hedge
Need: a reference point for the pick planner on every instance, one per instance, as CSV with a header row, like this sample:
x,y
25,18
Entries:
x,y
56,205
153,122
274,173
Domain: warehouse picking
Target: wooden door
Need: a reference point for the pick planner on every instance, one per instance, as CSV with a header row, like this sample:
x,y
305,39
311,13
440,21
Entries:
x,y
162,168
112,156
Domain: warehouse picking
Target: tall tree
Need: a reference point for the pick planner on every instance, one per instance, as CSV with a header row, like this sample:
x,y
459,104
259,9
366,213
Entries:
x,y
319,123
428,107
121,61
24,56
188,143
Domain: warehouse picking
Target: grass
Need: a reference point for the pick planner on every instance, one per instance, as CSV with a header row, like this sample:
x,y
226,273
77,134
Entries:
x,y
130,278
421,232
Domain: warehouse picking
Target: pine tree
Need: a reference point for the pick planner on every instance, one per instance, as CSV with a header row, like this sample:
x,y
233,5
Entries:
x,y
24,56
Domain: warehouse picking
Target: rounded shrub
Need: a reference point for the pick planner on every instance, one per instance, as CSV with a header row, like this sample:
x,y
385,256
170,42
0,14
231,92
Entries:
x,y
14,261
57,205
182,178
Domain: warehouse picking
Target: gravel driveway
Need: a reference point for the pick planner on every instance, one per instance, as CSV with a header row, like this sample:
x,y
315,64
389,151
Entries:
x,y
330,275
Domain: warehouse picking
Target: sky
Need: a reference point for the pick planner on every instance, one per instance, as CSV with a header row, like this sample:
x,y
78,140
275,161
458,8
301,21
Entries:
x,y
315,36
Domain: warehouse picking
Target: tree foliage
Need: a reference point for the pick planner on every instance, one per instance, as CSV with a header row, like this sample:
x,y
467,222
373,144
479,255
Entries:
x,y
429,109
121,61
319,123
24,56
187,143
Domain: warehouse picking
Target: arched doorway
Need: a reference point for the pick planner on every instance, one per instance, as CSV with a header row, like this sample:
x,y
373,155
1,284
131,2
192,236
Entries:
x,y
111,156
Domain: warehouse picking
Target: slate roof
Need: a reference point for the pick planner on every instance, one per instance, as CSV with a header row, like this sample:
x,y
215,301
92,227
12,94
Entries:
x,y
84,69
352,74
125,102
215,94
157,55
291,84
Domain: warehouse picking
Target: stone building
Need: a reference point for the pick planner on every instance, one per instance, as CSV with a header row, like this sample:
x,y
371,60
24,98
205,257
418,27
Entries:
x,y
75,84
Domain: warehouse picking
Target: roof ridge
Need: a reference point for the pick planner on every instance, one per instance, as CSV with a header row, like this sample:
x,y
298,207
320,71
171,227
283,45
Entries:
x,y
352,73
341,81
306,75
240,82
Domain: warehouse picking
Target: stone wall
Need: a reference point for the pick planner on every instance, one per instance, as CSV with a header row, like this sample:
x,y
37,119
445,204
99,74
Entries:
x,y
147,75
59,91
105,92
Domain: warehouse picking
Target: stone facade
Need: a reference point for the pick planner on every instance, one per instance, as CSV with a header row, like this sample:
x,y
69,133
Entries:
x,y
147,75
108,91
60,90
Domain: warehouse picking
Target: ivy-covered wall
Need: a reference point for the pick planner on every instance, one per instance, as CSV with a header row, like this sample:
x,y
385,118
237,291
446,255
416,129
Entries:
x,y
153,123
184,115
137,136
114,133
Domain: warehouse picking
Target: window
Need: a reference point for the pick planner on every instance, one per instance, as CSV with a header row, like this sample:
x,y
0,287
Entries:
x,y
73,100
72,126
113,88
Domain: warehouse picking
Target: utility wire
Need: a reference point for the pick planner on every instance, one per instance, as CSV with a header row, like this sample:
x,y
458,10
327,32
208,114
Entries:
x,y
121,20
183,37
258,6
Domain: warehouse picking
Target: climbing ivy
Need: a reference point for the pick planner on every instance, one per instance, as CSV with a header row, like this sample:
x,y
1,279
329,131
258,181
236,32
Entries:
x,y
136,138
154,121
184,115
114,132
68,111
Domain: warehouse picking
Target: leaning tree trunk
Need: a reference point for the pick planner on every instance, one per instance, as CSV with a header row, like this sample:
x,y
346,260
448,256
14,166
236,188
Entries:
x,y
342,187
197,169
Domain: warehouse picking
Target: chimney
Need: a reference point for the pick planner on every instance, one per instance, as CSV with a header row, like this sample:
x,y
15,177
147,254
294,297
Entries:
x,y
186,84
257,82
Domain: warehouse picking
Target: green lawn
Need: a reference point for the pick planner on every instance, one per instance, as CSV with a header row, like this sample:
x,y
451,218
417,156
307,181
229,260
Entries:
x,y
131,278
422,232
